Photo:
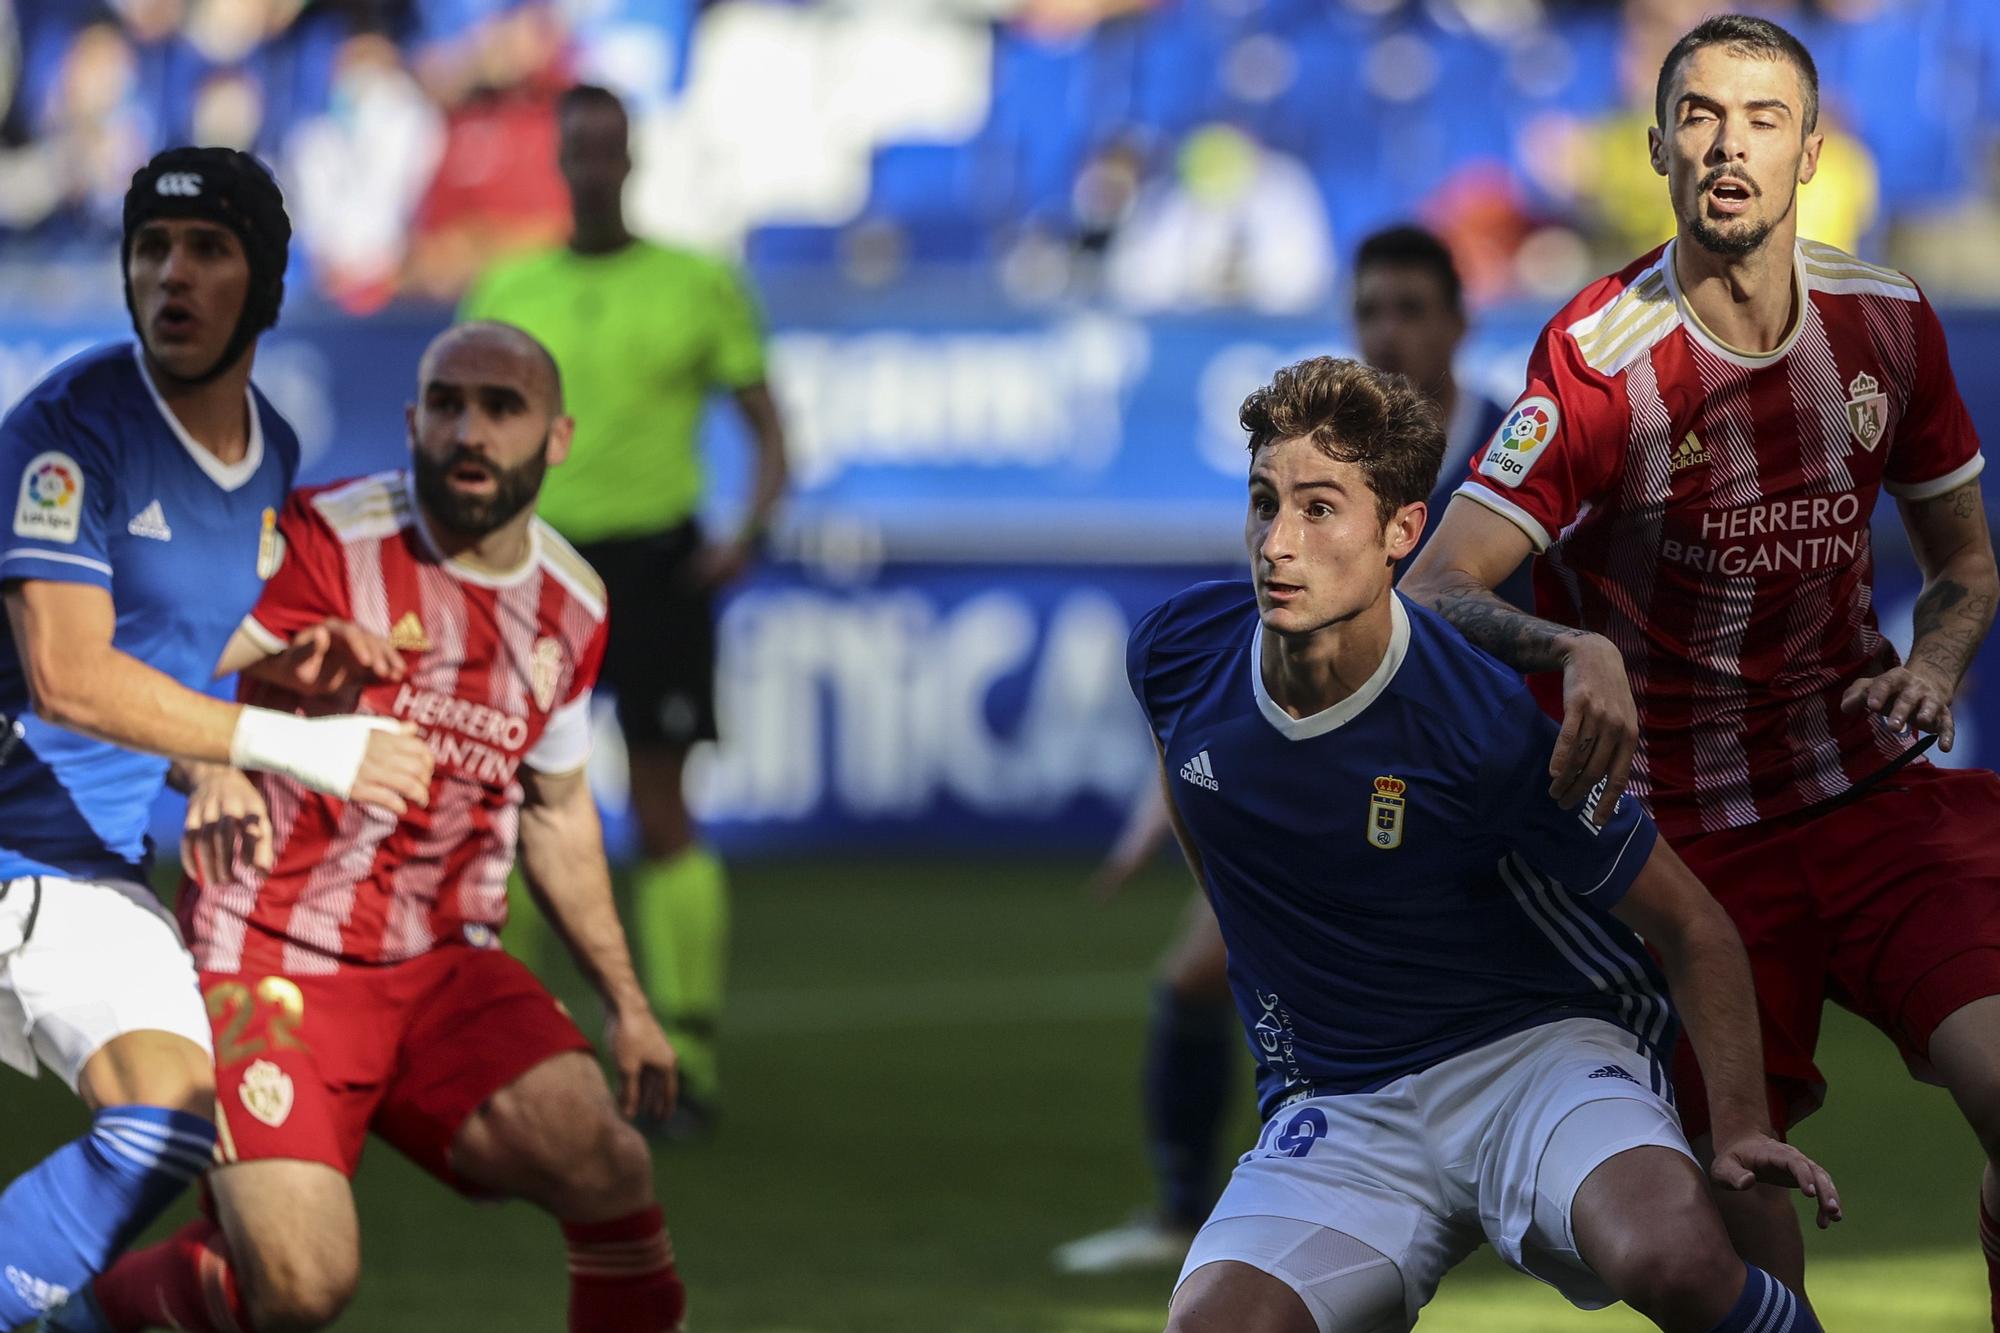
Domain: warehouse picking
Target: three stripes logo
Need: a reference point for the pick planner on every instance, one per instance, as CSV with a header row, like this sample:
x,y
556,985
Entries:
x,y
1611,1071
1198,771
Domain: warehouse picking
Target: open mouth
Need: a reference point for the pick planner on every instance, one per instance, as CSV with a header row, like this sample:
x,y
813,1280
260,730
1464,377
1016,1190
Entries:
x,y
473,477
1730,196
174,321
1282,592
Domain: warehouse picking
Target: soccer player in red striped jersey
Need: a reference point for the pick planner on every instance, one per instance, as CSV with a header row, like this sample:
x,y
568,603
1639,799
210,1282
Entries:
x,y
1696,458
351,959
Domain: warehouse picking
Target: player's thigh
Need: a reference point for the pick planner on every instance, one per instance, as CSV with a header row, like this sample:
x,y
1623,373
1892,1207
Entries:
x,y
1197,962
1644,1223
482,1024
1916,895
100,960
294,1237
1268,1274
554,1137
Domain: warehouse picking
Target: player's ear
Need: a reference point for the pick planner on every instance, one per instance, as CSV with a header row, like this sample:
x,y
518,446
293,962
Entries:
x,y
1809,160
1656,149
1406,525
562,431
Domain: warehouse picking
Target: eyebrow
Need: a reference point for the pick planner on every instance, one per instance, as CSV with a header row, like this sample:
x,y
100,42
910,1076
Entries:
x,y
1761,104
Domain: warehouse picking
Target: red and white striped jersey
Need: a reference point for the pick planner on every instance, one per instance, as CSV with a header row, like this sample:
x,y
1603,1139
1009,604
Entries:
x,y
499,673
1708,511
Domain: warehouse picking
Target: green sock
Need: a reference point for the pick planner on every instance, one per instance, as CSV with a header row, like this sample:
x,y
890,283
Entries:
x,y
681,909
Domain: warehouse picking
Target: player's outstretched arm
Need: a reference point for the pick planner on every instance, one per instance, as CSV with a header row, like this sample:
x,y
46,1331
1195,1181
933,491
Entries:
x,y
728,561
1474,549
1954,549
322,659
80,681
562,858
1709,976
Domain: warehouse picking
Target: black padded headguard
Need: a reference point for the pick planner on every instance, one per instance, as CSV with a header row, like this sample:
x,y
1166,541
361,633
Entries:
x,y
233,189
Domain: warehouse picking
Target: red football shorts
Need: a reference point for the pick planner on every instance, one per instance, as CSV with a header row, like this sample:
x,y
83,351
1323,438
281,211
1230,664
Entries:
x,y
1889,904
306,1066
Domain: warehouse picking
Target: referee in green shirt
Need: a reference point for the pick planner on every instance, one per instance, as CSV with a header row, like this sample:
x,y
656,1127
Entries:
x,y
643,333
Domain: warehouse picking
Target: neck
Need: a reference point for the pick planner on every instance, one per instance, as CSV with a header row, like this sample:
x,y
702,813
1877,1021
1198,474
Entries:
x,y
216,415
500,552
1747,301
598,234
1311,672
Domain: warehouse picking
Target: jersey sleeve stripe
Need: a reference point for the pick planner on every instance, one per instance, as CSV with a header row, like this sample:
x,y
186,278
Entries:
x,y
253,630
59,557
573,571
1507,509
1614,357
1950,481
1821,255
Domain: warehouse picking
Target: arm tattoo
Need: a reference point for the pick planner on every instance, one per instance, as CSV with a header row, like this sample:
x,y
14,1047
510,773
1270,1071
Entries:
x,y
1947,626
1520,640
1965,501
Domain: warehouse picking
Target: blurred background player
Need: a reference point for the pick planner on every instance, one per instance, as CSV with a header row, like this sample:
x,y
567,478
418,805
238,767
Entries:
x,y
1346,780
351,960
146,478
643,333
1409,318
1698,451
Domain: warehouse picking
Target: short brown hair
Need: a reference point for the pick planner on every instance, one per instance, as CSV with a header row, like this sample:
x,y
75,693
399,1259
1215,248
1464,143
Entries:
x,y
1357,414
1743,35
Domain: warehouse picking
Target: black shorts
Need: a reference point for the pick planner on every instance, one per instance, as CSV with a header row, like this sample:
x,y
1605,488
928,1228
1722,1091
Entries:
x,y
660,659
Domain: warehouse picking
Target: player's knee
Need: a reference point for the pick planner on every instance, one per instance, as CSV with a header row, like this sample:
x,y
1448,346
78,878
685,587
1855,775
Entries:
x,y
150,1069
615,1176
1674,1274
301,1296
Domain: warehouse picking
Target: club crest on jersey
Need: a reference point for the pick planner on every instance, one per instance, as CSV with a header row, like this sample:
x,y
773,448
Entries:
x,y
1867,411
270,546
1520,441
545,671
51,505
266,1092
1385,813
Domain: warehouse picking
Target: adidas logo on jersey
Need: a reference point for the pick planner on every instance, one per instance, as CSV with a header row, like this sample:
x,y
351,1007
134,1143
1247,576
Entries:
x,y
151,522
1611,1071
39,1293
1689,452
408,635
1198,771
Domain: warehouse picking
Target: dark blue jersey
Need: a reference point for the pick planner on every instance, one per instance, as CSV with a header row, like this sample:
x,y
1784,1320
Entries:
x,y
109,490
1394,883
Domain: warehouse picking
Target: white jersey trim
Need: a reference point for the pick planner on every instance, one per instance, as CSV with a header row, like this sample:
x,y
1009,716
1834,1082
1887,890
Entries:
x,y
253,630
1736,356
1950,481
60,557
1327,719
564,745
1507,509
228,476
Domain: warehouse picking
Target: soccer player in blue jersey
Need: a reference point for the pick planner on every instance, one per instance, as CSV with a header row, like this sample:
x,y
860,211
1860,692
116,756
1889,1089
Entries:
x,y
1459,1035
145,480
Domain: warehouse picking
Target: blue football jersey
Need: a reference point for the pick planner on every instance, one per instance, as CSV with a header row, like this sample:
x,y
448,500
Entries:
x,y
109,490
1393,880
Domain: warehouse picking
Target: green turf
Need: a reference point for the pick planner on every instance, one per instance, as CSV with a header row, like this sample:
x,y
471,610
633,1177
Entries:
x,y
931,1074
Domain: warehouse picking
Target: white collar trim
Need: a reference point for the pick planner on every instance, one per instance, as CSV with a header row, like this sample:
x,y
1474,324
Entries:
x,y
1327,719
229,476
1736,355
460,569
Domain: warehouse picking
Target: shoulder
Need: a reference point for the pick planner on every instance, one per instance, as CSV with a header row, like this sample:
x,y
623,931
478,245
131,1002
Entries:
x,y
1193,626
359,509
100,383
1831,271
1464,692
566,566
1617,319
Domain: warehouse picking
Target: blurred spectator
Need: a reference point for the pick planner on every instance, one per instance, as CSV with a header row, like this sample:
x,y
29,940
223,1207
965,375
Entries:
x,y
357,171
1237,224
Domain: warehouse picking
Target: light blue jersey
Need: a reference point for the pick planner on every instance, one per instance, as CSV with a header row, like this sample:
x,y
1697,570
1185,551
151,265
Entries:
x,y
1395,884
106,488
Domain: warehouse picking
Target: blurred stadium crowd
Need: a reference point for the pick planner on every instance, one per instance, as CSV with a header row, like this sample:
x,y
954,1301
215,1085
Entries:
x,y
1168,154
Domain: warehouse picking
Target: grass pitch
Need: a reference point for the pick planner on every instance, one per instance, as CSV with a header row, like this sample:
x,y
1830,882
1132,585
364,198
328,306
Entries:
x,y
931,1082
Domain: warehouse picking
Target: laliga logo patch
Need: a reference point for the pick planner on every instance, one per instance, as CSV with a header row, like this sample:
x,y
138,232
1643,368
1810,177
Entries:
x,y
545,671
51,504
1520,441
178,184
267,1093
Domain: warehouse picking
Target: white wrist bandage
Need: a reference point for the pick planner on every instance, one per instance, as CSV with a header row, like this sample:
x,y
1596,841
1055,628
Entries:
x,y
324,753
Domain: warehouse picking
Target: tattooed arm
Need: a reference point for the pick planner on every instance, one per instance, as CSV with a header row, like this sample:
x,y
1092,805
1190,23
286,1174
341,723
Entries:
x,y
1954,550
1473,549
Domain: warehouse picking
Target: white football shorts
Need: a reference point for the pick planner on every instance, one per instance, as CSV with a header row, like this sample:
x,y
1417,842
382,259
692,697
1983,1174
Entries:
x,y
83,961
1490,1145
